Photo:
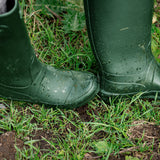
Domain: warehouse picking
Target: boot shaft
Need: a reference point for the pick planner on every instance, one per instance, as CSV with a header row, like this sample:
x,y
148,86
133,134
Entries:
x,y
17,55
120,34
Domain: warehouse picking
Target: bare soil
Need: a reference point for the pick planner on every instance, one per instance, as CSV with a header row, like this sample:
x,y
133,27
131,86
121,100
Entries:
x,y
8,141
148,134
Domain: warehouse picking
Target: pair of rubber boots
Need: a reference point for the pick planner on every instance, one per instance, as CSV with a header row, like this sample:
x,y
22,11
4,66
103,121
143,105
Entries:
x,y
120,36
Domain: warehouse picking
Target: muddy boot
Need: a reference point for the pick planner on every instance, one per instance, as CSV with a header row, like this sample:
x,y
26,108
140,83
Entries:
x,y
24,78
120,36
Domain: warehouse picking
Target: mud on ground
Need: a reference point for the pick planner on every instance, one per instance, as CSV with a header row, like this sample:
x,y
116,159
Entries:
x,y
147,133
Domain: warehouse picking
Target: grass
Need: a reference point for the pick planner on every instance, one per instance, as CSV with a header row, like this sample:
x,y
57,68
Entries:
x,y
97,130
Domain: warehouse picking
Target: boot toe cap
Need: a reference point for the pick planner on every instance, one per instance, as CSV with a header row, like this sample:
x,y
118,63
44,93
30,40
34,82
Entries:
x,y
84,88
67,88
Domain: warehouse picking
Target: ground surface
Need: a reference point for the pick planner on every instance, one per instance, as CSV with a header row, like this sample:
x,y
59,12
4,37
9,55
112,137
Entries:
x,y
149,133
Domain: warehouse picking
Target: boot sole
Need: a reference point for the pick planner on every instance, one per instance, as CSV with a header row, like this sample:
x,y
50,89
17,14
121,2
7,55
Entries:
x,y
142,95
27,98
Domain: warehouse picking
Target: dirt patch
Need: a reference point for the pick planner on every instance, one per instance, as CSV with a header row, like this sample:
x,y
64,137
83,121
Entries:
x,y
7,145
42,136
145,130
82,111
8,141
85,112
91,156
149,134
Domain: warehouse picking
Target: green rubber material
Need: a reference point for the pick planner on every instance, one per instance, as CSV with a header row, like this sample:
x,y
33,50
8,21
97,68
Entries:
x,y
120,36
24,78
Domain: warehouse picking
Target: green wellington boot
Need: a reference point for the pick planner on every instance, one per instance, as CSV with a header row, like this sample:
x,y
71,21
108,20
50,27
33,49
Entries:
x,y
24,78
120,36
